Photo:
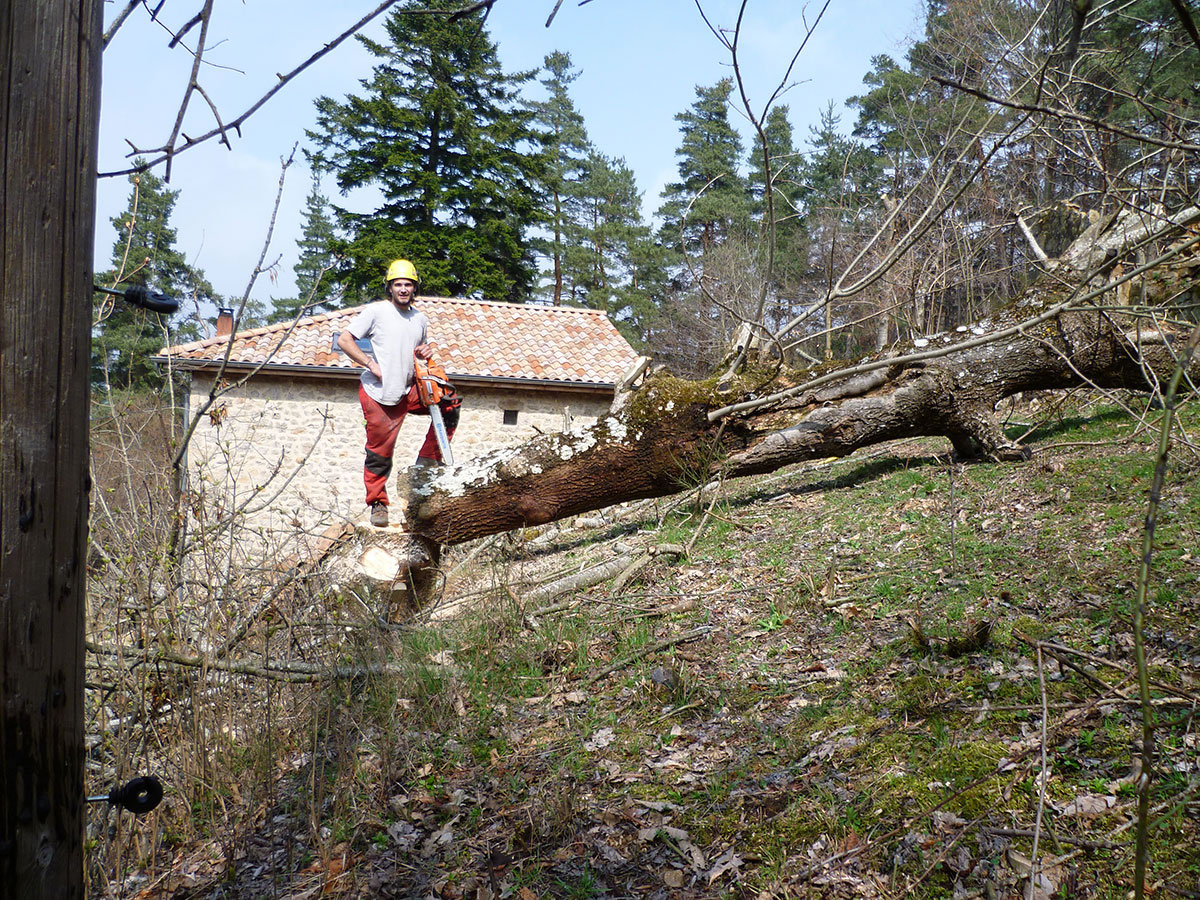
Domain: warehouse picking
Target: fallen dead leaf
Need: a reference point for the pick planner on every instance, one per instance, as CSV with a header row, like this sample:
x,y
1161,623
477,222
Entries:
x,y
1088,805
726,862
599,740
650,834
947,821
657,805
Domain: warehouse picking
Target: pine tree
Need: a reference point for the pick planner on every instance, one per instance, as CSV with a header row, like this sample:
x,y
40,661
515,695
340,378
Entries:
x,y
566,151
315,292
887,113
710,201
784,233
124,337
606,268
777,131
837,172
440,131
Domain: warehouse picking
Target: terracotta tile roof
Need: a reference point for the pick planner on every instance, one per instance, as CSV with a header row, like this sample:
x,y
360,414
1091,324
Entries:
x,y
475,338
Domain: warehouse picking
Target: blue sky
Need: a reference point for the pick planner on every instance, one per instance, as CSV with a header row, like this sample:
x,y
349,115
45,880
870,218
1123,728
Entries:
x,y
640,64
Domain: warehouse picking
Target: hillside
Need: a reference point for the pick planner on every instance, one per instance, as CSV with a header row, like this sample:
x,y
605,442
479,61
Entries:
x,y
874,677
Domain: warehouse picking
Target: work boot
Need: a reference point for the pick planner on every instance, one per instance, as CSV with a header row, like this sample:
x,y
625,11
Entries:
x,y
379,514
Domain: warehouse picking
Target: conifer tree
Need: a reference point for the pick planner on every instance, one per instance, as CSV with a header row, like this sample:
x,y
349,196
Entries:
x,y
777,131
124,337
837,172
709,152
566,149
440,132
784,233
615,265
315,292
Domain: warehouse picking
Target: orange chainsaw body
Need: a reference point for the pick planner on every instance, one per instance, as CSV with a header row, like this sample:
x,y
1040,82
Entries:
x,y
432,383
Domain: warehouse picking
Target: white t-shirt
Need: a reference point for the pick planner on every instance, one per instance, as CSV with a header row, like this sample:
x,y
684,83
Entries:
x,y
394,335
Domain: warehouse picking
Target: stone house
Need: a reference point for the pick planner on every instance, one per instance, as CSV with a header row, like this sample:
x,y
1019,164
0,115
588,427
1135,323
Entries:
x,y
281,453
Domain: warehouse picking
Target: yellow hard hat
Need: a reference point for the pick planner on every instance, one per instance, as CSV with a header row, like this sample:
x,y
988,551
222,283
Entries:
x,y
401,268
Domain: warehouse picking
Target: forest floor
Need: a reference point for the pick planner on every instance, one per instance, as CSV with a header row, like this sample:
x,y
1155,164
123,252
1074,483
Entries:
x,y
893,675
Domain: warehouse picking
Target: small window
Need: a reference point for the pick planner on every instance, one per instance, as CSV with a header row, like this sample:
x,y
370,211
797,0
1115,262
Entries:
x,y
510,417
364,344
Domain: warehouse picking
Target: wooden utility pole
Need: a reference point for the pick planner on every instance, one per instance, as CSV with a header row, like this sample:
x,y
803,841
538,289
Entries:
x,y
49,116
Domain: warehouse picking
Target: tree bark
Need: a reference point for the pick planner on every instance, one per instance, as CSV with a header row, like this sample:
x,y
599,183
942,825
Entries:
x,y
672,434
49,117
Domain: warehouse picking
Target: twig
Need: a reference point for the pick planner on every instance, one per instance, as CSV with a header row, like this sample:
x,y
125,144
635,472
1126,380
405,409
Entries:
x,y
120,20
694,634
203,16
168,151
1101,661
1146,775
240,631
274,670
219,388
1043,778
687,550
1028,833
629,571
1075,667
553,12
192,23
1059,113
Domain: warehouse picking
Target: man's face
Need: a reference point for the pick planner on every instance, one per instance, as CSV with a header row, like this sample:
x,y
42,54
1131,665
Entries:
x,y
401,291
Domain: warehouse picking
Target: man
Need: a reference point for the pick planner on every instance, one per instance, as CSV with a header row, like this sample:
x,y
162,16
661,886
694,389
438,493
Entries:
x,y
387,388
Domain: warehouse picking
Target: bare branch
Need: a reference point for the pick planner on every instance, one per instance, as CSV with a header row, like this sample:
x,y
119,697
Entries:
x,y
193,82
1003,334
201,16
168,151
1185,18
1060,113
120,20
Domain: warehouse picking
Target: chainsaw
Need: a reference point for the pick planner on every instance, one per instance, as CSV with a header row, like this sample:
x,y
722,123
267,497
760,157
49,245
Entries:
x,y
432,388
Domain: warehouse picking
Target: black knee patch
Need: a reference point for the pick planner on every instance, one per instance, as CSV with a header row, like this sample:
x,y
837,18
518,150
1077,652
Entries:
x,y
378,465
450,416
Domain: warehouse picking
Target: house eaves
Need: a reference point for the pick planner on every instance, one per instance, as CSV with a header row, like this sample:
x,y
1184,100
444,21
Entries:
x,y
478,341
344,374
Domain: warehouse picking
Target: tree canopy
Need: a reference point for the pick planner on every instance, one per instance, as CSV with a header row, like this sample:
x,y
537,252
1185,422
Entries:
x,y
125,337
315,289
442,136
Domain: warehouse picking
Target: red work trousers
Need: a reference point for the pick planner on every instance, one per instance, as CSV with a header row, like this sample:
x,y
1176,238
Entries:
x,y
383,427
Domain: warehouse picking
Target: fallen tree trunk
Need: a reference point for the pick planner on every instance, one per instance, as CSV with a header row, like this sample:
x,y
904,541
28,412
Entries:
x,y
1072,328
673,434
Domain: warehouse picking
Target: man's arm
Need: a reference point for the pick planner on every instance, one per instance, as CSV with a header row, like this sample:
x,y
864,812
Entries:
x,y
424,350
349,346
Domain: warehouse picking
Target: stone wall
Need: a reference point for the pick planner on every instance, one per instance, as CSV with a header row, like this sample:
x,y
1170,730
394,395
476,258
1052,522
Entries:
x,y
287,452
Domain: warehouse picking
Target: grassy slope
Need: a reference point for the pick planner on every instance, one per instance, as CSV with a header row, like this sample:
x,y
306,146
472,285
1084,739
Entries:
x,y
807,744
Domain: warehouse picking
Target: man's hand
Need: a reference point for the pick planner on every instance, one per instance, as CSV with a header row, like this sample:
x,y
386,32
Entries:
x,y
348,346
423,351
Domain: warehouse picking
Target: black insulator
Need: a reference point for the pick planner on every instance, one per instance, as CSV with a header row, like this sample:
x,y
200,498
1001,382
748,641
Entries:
x,y
138,796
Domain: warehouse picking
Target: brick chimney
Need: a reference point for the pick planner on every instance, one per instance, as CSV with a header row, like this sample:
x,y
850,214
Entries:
x,y
224,321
